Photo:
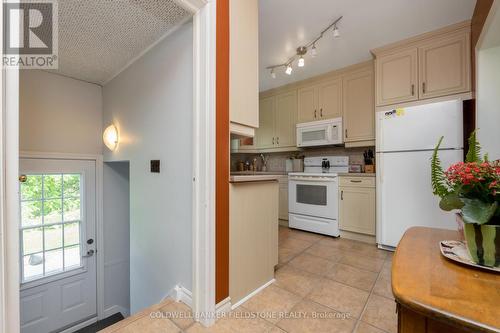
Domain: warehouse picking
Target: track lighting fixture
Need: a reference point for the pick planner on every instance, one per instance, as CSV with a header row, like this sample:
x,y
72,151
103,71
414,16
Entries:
x,y
314,51
336,32
301,62
302,50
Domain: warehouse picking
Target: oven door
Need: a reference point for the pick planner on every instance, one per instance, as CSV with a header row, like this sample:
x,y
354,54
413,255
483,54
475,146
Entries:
x,y
313,196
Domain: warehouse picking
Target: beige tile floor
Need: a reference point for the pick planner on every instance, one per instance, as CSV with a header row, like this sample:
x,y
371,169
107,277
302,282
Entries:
x,y
323,284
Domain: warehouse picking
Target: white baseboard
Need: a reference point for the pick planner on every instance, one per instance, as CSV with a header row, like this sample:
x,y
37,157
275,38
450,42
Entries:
x,y
115,309
223,306
181,294
252,294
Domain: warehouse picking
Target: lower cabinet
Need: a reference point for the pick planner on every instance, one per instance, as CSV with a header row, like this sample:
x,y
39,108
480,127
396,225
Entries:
x,y
357,204
283,198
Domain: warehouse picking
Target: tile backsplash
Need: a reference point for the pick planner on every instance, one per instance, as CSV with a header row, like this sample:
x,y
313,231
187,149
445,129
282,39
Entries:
x,y
276,161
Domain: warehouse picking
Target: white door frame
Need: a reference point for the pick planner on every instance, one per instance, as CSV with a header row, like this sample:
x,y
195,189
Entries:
x,y
204,23
204,34
9,207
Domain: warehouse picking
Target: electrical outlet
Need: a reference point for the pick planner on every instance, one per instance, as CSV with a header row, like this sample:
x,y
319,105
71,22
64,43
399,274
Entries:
x,y
155,166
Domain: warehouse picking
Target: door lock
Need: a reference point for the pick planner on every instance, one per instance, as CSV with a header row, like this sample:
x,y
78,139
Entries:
x,y
90,241
90,253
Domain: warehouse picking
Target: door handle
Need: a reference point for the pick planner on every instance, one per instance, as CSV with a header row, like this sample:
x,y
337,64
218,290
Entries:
x,y
90,253
23,178
321,112
315,114
423,87
278,140
413,90
341,195
273,140
355,181
346,132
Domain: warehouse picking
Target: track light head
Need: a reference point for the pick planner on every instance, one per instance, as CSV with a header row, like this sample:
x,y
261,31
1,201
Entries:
x,y
301,61
289,69
336,32
273,74
314,51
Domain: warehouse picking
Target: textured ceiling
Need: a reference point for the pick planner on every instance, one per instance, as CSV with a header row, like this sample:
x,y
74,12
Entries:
x,y
98,38
286,24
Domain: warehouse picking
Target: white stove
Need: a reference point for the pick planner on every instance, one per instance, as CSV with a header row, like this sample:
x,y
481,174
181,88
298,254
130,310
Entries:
x,y
313,194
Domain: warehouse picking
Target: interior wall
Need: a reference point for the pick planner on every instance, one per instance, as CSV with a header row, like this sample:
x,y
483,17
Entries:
x,y
151,104
59,114
116,203
488,101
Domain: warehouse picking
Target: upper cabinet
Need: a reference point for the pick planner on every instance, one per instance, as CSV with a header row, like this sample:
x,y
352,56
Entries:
x,y
397,77
445,66
278,120
321,101
359,108
427,66
244,64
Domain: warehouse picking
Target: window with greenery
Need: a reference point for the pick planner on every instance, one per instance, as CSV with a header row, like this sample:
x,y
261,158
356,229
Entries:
x,y
50,224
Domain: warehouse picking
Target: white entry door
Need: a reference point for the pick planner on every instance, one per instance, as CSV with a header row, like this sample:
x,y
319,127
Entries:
x,y
57,250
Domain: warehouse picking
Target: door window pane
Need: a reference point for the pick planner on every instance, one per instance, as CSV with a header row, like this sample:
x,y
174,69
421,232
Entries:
x,y
53,261
50,224
53,237
31,213
32,188
72,256
52,211
71,185
33,266
32,240
311,194
71,209
52,186
71,234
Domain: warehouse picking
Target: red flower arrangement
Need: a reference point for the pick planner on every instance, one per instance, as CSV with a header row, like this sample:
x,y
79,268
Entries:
x,y
472,186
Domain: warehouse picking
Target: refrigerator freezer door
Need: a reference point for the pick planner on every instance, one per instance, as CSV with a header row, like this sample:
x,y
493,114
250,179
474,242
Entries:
x,y
420,127
404,194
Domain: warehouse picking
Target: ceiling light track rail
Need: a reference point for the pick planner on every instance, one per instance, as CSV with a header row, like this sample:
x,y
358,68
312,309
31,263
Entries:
x,y
302,50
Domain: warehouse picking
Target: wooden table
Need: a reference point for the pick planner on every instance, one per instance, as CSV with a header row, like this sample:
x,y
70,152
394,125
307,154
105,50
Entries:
x,y
435,294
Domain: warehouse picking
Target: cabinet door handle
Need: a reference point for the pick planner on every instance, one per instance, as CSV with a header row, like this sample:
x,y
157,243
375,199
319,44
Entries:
x,y
315,113
413,90
321,112
278,140
346,132
423,87
355,181
341,195
273,140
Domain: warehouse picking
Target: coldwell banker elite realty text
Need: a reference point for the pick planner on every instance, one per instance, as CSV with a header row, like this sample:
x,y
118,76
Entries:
x,y
30,34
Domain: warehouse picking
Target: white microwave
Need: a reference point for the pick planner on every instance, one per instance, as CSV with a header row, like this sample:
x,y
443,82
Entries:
x,y
320,133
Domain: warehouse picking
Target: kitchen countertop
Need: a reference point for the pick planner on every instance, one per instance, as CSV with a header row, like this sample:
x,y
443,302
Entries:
x,y
253,178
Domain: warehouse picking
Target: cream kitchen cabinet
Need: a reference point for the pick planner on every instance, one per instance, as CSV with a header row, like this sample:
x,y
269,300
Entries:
x,y
320,101
444,66
357,204
359,109
278,119
244,66
397,77
431,65
283,198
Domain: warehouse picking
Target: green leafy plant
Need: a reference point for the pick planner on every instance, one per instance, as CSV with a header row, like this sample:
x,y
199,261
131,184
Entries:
x,y
472,186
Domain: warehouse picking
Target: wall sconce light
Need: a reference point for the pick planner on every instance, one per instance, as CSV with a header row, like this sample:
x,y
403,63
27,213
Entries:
x,y
110,137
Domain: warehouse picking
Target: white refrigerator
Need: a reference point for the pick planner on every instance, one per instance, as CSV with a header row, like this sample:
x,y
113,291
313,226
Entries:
x,y
405,139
